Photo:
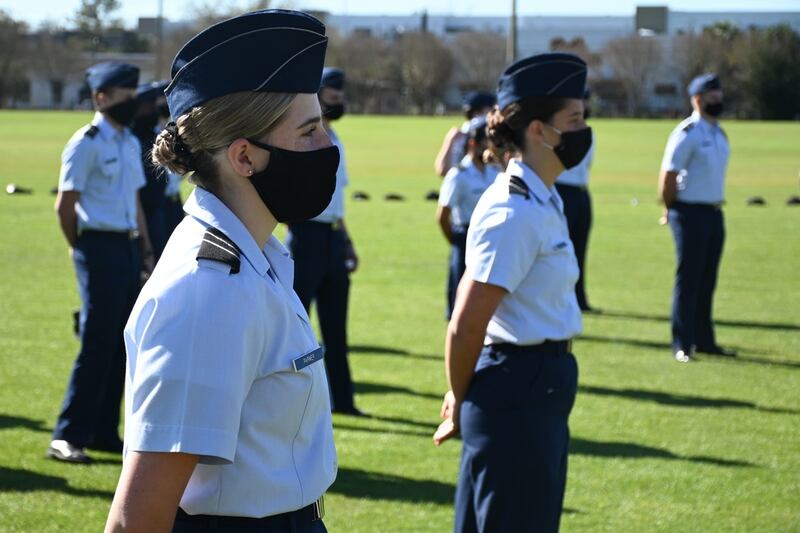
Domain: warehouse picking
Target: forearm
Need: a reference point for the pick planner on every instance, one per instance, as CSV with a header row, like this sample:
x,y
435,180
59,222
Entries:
x,y
443,219
67,216
144,235
668,187
462,349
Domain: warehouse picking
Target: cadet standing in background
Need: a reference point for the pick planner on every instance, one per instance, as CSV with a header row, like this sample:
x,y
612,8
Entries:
x,y
102,220
461,189
324,258
692,186
145,126
573,187
454,146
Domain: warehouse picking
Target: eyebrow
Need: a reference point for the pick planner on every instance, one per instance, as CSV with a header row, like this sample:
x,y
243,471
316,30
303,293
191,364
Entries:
x,y
309,121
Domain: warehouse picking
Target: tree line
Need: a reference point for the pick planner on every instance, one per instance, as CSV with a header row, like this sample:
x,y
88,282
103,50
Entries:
x,y
417,71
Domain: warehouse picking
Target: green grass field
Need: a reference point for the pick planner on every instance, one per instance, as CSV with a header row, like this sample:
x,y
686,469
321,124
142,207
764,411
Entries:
x,y
657,446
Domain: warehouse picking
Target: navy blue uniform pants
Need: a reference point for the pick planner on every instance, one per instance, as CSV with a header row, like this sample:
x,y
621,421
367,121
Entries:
x,y
515,439
456,266
107,266
578,210
321,277
699,232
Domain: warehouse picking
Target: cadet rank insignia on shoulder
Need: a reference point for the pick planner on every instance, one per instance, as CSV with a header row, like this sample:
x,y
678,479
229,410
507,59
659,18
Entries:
x,y
216,246
517,186
91,132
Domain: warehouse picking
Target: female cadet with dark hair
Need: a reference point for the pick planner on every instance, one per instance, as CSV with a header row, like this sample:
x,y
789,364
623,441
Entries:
x,y
228,423
511,374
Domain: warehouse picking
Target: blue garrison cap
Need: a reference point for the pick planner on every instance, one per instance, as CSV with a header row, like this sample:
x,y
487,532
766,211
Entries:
x,y
587,93
557,74
477,128
333,77
149,92
478,99
285,51
703,83
112,74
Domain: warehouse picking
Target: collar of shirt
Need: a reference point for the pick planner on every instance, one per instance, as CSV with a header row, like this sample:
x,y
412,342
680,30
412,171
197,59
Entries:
x,y
107,131
703,123
209,209
535,184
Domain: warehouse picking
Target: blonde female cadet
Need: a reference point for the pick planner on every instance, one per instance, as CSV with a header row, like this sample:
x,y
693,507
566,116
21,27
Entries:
x,y
228,423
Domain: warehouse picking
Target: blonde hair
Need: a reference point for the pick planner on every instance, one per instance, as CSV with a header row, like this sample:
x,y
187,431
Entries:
x,y
190,144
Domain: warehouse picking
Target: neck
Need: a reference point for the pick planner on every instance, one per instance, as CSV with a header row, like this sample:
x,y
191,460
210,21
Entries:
x,y
114,124
547,168
477,160
241,197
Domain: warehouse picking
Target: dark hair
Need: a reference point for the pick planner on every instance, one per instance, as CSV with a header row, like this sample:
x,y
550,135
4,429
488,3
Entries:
x,y
506,128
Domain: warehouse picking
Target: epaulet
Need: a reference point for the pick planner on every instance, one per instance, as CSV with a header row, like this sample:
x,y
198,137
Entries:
x,y
517,186
216,246
723,133
91,132
688,127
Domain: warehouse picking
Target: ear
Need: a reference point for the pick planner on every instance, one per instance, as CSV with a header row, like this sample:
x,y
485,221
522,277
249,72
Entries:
x,y
535,132
239,155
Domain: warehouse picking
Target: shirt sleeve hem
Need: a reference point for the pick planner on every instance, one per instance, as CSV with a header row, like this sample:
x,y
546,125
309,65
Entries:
x,y
214,446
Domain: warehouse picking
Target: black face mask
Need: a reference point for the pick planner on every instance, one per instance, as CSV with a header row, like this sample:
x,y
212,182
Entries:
x,y
163,111
297,186
573,147
333,112
123,112
145,124
714,109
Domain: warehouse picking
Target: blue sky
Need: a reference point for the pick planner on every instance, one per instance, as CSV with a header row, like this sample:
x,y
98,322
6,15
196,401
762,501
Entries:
x,y
36,11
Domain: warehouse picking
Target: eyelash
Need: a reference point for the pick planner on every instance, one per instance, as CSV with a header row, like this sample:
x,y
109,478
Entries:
x,y
310,132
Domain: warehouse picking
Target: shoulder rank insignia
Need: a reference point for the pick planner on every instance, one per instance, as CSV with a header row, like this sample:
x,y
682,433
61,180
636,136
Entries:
x,y
687,128
216,246
91,132
517,186
723,133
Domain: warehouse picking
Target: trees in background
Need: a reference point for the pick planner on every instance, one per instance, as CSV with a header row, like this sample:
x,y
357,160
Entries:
x,y
635,61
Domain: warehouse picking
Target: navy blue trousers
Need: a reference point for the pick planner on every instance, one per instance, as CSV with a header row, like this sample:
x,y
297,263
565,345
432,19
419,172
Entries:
x,y
456,266
578,210
107,266
515,440
699,232
321,277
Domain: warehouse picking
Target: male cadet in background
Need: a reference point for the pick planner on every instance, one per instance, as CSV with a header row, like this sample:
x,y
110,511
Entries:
x,y
102,220
454,146
324,258
151,98
572,186
692,186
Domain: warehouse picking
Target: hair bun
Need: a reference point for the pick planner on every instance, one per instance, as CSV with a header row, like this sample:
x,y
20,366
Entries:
x,y
171,151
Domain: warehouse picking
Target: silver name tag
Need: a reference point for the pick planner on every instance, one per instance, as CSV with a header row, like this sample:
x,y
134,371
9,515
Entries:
x,y
308,359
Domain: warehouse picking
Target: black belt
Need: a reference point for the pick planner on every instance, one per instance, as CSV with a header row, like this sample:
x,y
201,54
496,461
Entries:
x,y
130,234
306,515
705,207
579,187
545,348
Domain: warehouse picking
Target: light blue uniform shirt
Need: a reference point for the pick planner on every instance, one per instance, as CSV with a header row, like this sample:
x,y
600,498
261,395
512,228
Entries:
x,y
210,372
107,170
522,245
698,151
578,176
463,186
335,210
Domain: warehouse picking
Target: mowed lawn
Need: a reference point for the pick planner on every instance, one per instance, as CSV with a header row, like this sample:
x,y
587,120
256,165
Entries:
x,y
657,446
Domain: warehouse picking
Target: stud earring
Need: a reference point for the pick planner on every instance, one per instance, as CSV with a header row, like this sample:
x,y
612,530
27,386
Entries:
x,y
250,172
